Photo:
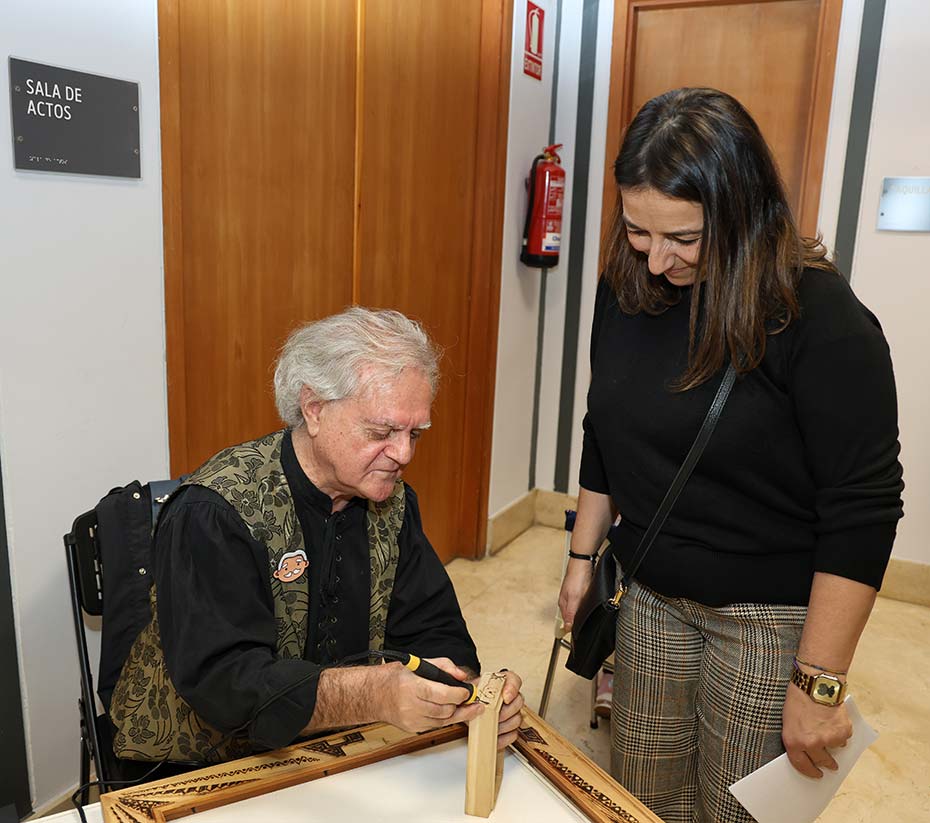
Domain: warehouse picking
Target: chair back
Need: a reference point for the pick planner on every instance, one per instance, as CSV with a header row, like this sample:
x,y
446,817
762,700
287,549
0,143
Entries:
x,y
82,542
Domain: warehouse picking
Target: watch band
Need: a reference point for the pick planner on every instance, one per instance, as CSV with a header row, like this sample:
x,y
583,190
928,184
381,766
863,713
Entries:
x,y
822,688
578,556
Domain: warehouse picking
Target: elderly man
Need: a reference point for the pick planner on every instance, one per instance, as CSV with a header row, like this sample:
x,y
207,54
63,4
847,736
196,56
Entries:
x,y
282,558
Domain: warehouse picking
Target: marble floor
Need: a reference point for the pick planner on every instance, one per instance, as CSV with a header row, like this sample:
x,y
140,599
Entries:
x,y
509,601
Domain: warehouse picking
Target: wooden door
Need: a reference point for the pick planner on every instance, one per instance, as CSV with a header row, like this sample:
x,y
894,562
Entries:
x,y
775,56
432,166
258,202
325,153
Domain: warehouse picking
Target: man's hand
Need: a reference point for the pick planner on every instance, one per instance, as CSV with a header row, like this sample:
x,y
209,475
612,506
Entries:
x,y
390,694
577,578
416,704
809,730
393,694
510,717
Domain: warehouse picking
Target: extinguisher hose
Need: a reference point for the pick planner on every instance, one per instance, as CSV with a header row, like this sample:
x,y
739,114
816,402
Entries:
x,y
531,199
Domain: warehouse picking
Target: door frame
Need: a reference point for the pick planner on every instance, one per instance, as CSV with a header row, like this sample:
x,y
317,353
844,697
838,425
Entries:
x,y
620,101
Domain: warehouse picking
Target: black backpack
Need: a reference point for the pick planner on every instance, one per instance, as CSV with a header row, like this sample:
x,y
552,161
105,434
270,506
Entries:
x,y
126,520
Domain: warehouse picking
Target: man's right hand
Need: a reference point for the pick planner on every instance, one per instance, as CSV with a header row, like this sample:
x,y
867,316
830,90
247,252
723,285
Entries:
x,y
416,704
390,693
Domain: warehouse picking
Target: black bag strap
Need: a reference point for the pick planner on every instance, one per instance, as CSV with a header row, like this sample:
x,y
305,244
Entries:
x,y
694,454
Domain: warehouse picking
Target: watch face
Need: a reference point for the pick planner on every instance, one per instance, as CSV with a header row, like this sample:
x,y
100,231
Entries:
x,y
826,689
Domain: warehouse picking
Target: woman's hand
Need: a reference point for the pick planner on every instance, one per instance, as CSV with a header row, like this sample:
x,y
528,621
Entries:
x,y
810,730
836,614
595,514
577,578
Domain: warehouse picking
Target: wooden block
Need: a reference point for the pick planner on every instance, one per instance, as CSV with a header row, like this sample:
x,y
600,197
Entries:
x,y
485,762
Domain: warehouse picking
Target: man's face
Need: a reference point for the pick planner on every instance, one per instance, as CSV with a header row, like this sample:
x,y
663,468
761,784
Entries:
x,y
291,568
362,444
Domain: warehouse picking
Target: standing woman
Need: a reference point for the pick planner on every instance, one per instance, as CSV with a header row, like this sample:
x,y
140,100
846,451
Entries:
x,y
765,573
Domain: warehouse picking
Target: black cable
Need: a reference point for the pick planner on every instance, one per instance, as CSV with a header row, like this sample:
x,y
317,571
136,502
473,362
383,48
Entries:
x,y
110,783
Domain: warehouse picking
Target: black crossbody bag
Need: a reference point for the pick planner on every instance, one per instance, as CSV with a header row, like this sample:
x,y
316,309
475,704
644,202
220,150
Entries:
x,y
595,624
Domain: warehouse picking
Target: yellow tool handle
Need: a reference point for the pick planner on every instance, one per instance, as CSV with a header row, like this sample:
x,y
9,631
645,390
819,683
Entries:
x,y
429,671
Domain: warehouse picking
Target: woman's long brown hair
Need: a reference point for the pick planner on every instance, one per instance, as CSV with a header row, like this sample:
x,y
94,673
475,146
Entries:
x,y
701,145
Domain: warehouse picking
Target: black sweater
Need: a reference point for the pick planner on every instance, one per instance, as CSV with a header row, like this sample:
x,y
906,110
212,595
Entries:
x,y
801,474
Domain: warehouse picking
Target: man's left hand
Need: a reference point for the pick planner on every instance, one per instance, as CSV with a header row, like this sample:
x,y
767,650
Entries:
x,y
510,716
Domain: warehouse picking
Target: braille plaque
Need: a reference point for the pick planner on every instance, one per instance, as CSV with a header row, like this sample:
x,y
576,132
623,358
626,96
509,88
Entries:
x,y
74,122
905,204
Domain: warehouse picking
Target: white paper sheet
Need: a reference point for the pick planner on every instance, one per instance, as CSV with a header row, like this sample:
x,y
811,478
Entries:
x,y
778,792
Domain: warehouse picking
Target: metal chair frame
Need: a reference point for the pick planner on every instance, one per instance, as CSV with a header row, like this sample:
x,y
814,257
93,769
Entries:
x,y
85,578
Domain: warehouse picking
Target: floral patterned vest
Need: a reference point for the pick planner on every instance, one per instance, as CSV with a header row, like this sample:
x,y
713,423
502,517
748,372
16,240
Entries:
x,y
153,722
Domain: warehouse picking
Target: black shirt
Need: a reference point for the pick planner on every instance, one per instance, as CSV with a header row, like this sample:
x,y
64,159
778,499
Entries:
x,y
216,613
800,475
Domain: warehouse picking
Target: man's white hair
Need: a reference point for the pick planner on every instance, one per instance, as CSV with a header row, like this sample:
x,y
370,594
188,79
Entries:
x,y
328,356
288,555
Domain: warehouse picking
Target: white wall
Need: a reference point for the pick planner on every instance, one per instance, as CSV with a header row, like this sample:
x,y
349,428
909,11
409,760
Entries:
x,y
82,372
528,134
530,108
890,269
557,279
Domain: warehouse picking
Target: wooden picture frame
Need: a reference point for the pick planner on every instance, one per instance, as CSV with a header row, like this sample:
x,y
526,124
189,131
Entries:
x,y
588,787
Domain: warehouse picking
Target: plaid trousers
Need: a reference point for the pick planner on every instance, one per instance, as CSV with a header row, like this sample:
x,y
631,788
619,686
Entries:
x,y
697,702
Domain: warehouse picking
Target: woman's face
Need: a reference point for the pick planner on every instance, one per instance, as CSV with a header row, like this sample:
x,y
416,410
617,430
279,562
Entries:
x,y
667,230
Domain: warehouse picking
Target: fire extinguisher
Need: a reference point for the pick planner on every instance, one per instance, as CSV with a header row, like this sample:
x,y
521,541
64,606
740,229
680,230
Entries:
x,y
542,232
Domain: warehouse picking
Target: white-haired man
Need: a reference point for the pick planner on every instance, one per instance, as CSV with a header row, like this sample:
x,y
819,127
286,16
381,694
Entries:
x,y
280,558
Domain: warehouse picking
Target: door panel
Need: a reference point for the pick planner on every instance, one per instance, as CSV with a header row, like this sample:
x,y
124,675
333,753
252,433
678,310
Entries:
x,y
415,234
266,100
321,154
775,56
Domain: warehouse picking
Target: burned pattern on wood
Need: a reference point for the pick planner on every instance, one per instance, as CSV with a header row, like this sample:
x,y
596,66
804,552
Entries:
x,y
335,749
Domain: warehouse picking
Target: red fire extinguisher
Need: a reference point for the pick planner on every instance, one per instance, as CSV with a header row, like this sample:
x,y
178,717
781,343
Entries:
x,y
542,232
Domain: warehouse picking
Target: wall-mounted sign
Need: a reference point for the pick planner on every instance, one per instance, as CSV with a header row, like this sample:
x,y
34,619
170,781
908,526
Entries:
x,y
70,121
905,204
532,49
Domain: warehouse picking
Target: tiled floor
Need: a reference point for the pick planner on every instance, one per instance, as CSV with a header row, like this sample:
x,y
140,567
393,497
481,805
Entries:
x,y
509,601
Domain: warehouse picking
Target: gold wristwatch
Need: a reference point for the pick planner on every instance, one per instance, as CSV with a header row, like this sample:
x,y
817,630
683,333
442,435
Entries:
x,y
823,688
